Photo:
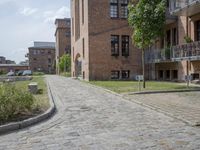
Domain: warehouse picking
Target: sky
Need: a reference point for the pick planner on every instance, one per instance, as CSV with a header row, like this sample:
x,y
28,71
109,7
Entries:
x,y
25,21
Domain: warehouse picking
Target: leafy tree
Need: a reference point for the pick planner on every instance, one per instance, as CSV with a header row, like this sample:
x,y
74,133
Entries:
x,y
147,19
65,63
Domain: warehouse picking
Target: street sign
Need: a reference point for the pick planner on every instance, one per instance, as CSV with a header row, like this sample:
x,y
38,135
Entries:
x,y
139,77
188,78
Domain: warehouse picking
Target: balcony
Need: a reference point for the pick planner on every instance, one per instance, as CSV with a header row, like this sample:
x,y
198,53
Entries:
x,y
190,51
158,55
184,7
169,17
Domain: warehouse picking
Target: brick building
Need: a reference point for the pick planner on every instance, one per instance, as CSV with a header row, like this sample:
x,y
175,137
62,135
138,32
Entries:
x,y
5,68
172,57
101,41
42,57
63,38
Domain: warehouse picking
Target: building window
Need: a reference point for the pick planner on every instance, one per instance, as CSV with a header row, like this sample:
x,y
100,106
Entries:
x,y
161,74
49,52
68,34
83,42
175,74
114,10
174,36
49,60
198,30
168,37
35,52
72,26
35,59
167,74
124,8
83,74
115,45
125,45
83,12
115,74
125,74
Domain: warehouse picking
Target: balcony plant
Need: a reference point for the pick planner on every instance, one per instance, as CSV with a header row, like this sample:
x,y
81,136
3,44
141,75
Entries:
x,y
188,39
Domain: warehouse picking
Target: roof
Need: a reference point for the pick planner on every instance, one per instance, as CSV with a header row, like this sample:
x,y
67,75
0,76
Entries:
x,y
12,65
63,19
44,45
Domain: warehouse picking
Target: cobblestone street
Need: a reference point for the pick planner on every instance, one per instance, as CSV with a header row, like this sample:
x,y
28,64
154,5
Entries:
x,y
90,118
183,105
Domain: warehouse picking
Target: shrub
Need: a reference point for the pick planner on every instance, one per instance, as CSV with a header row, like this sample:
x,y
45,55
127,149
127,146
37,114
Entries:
x,y
38,73
13,102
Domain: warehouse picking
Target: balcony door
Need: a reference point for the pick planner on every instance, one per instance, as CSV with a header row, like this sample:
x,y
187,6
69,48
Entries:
x,y
198,30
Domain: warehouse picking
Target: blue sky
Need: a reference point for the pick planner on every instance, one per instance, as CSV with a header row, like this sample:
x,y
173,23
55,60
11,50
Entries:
x,y
25,21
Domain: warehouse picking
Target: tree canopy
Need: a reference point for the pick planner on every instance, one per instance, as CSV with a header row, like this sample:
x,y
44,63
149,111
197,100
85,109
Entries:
x,y
147,18
65,63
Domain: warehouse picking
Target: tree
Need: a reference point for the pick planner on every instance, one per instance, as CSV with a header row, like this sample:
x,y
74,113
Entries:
x,y
65,63
147,19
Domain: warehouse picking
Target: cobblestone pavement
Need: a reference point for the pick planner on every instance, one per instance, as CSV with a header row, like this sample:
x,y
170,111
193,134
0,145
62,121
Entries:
x,y
90,118
183,105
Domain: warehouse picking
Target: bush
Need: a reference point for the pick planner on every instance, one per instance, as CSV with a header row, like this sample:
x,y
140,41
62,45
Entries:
x,y
13,102
38,73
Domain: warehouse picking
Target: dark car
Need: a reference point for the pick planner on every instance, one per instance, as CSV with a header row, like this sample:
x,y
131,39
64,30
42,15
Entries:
x,y
20,73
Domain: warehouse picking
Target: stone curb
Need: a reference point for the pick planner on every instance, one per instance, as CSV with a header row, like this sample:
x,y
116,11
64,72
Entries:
x,y
31,121
193,124
159,92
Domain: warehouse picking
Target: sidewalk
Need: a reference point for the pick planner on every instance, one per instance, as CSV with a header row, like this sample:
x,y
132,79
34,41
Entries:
x,y
184,106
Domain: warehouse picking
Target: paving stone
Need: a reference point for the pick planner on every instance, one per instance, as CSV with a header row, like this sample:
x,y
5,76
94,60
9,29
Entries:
x,y
90,118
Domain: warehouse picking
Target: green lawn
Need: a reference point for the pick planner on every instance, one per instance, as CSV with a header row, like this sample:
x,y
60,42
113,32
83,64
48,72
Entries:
x,y
132,86
38,103
41,100
66,74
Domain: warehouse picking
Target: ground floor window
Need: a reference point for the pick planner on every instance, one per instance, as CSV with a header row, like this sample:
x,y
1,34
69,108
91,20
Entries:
x,y
175,74
161,74
167,74
195,76
125,74
115,74
83,74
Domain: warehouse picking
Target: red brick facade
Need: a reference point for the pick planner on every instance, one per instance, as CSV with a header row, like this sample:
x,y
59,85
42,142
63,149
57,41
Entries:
x,y
42,58
98,40
63,38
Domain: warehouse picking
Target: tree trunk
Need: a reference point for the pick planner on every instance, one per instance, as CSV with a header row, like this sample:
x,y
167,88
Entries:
x,y
143,68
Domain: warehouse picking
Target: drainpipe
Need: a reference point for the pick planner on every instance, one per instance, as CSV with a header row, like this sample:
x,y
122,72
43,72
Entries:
x,y
187,65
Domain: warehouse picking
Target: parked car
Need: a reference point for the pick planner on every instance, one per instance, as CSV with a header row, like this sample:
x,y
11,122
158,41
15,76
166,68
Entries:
x,y
27,73
20,73
11,73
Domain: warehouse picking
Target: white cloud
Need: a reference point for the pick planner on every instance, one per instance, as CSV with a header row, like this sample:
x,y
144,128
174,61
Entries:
x,y
50,16
28,11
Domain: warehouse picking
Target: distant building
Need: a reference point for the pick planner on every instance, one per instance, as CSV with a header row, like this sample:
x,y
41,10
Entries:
x,y
26,62
42,57
10,62
63,38
5,68
2,60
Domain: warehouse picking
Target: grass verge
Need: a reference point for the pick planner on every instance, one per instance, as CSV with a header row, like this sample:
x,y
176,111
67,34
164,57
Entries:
x,y
40,101
132,86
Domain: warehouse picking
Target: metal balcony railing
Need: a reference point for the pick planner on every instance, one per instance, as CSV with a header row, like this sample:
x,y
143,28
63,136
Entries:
x,y
189,51
179,4
157,55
